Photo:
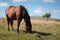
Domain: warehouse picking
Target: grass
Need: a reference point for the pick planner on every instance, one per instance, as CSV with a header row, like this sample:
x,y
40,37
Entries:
x,y
42,30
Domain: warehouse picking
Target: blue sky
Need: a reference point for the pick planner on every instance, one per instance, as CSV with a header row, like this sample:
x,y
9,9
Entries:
x,y
34,7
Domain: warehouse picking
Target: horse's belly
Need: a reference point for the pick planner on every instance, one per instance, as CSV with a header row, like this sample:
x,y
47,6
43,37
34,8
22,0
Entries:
x,y
14,17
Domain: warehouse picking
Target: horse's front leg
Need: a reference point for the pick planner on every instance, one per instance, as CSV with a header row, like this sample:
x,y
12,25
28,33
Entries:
x,y
18,24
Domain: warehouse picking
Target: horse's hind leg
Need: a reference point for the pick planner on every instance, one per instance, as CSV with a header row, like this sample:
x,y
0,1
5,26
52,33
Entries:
x,y
11,22
8,24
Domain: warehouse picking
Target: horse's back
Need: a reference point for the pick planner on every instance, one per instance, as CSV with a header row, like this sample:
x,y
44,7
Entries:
x,y
12,10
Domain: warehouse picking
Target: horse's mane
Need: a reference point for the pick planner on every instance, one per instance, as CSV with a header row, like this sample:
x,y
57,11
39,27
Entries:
x,y
26,12
24,8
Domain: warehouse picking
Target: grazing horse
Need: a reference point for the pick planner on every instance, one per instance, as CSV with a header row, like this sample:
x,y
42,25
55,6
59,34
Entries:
x,y
18,13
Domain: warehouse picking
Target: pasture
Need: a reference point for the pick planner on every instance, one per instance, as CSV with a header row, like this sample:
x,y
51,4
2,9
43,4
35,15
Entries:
x,y
41,30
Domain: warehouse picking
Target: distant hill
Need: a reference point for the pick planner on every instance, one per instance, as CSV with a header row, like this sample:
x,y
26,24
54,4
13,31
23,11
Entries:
x,y
41,18
36,18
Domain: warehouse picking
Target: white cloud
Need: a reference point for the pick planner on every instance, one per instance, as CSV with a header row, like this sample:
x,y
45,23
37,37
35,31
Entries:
x,y
3,4
38,10
19,0
55,11
49,1
23,0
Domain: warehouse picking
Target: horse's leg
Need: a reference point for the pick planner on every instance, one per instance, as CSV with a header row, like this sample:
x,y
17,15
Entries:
x,y
18,24
11,22
8,24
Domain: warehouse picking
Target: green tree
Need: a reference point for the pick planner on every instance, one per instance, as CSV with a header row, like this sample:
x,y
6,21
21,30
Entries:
x,y
47,16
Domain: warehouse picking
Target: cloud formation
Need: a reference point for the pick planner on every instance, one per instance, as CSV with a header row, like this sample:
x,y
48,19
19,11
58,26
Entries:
x,y
3,4
38,10
49,1
19,0
55,11
23,0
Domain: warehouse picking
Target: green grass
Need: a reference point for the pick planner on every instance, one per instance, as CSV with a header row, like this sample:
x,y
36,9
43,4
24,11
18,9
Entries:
x,y
41,31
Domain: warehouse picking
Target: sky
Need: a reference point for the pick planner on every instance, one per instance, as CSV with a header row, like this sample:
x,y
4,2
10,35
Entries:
x,y
34,7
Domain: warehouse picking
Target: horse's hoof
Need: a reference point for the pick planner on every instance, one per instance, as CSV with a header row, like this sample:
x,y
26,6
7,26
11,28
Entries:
x,y
13,30
18,32
8,30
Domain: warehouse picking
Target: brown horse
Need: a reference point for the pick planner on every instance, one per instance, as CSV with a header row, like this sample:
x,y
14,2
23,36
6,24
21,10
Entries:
x,y
18,13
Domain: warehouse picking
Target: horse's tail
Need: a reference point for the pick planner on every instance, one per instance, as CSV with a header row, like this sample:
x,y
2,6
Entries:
x,y
26,18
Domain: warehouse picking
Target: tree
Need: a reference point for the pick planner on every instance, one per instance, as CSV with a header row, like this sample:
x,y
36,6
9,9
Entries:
x,y
47,15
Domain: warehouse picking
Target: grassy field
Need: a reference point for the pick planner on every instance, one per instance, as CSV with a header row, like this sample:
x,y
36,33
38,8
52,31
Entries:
x,y
42,30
